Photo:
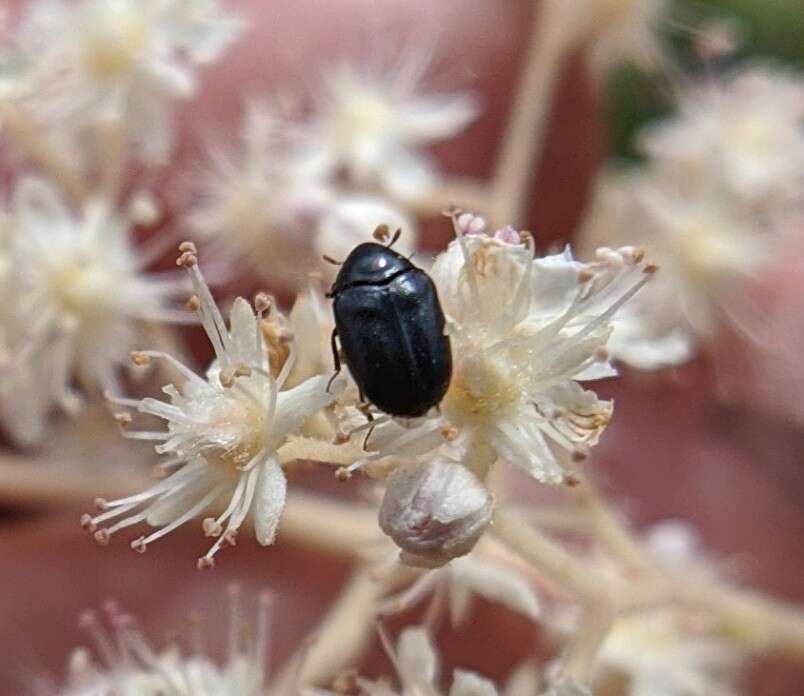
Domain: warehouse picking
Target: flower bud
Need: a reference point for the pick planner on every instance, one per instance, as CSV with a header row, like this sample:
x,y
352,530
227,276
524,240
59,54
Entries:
x,y
435,511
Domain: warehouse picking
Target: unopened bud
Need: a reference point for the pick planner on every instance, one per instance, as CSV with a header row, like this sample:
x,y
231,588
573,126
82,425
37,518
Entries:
x,y
435,511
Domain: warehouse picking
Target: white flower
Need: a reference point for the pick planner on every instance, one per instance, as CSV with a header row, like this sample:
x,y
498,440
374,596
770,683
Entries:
x,y
741,135
74,296
264,199
524,332
224,432
374,125
119,61
706,249
663,653
129,666
477,575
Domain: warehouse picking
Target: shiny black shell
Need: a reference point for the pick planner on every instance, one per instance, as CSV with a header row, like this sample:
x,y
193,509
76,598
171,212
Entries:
x,y
391,330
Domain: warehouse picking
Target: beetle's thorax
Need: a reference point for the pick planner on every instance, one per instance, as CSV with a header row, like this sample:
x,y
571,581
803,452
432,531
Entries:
x,y
370,264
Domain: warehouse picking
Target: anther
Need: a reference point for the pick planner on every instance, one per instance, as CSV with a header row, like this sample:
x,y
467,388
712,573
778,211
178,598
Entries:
x,y
263,302
650,269
226,379
187,260
193,303
101,504
87,523
211,527
571,480
102,537
342,473
139,358
449,432
139,545
205,563
579,455
188,246
381,233
585,275
123,419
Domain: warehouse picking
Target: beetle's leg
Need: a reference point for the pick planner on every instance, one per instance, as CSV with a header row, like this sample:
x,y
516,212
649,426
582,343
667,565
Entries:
x,y
335,357
368,435
370,418
329,259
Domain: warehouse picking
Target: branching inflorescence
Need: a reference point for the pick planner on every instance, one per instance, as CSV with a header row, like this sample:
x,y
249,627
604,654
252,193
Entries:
x,y
87,97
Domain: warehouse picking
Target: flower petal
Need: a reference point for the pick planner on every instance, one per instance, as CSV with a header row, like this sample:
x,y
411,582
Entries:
x,y
269,501
466,683
417,660
496,584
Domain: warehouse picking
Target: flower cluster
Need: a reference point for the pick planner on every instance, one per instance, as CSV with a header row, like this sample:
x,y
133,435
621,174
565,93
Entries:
x,y
75,66
128,665
417,671
76,297
274,203
525,332
298,189
225,430
722,178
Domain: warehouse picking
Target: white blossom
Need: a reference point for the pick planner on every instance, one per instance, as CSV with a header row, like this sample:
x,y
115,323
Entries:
x,y
741,135
478,575
224,434
375,125
124,663
663,653
264,198
706,248
74,297
116,61
524,332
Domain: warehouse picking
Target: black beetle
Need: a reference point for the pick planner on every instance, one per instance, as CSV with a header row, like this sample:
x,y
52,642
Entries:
x,y
391,330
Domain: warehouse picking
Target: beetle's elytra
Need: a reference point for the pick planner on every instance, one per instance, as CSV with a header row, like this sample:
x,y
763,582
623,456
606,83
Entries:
x,y
391,331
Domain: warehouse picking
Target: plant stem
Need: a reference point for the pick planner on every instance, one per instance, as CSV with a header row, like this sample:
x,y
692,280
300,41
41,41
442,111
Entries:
x,y
523,140
339,640
610,530
567,575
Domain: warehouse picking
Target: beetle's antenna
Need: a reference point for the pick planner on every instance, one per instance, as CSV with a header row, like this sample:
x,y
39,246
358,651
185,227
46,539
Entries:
x,y
395,237
381,233
329,259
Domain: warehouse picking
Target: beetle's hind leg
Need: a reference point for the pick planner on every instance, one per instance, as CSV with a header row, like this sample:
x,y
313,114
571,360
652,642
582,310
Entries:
x,y
336,358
